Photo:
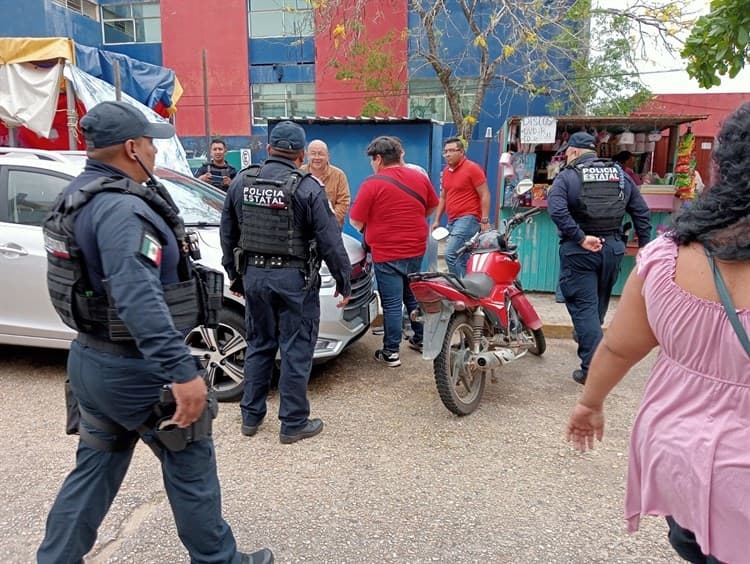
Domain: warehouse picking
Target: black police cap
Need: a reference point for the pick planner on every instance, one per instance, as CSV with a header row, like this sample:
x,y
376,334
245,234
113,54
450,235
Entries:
x,y
112,123
287,136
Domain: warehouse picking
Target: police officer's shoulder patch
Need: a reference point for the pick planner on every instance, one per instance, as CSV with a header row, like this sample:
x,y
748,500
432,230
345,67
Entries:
x,y
150,248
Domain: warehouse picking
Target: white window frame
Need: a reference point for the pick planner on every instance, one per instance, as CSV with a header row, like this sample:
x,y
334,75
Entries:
x,y
132,19
287,100
88,8
286,8
428,91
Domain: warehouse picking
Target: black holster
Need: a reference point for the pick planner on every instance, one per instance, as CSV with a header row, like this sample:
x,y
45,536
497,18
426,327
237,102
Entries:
x,y
167,434
176,438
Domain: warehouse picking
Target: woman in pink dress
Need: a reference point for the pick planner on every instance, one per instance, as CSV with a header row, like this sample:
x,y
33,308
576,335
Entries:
x,y
690,445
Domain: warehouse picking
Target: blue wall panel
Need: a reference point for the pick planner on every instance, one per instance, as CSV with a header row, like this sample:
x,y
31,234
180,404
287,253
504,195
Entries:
x,y
41,18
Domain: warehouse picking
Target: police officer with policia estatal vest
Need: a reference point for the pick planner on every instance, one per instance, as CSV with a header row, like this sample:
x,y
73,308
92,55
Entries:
x,y
587,202
276,227
119,273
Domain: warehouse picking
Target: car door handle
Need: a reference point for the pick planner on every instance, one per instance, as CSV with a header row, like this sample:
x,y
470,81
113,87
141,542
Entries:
x,y
14,249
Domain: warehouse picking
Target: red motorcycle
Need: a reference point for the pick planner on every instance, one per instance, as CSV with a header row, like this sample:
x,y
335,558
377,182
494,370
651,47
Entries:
x,y
479,322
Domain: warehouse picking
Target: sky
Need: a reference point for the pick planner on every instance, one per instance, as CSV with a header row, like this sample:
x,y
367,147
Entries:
x,y
664,73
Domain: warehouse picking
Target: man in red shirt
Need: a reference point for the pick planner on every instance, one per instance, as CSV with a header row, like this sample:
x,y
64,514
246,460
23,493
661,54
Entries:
x,y
464,196
390,209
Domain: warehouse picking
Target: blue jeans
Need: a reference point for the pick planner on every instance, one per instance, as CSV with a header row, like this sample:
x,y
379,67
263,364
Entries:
x,y
393,286
586,281
124,390
462,229
280,315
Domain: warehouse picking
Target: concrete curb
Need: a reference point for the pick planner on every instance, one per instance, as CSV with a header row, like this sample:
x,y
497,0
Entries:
x,y
557,331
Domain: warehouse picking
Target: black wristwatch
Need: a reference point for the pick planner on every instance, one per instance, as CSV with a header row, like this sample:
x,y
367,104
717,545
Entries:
x,y
484,220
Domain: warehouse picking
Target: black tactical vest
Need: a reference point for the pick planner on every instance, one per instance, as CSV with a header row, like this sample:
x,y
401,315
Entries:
x,y
268,226
189,300
602,199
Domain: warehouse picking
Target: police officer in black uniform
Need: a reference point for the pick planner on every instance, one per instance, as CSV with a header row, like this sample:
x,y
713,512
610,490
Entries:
x,y
276,226
119,273
587,202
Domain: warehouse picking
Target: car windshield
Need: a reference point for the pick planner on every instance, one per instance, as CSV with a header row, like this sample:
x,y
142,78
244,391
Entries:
x,y
199,203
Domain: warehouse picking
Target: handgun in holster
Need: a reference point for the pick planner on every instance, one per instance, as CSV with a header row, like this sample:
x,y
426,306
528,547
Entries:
x,y
312,267
176,438
240,263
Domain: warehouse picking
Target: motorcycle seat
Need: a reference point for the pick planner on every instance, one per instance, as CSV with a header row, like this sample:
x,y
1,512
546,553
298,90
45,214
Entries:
x,y
478,285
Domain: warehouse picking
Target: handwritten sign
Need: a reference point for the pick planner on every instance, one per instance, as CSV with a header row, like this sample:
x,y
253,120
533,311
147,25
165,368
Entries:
x,y
538,129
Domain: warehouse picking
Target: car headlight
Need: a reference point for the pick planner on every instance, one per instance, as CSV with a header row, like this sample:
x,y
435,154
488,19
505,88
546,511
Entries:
x,y
326,280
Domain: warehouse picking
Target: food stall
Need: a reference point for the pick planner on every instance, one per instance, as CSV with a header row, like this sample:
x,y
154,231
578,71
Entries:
x,y
661,159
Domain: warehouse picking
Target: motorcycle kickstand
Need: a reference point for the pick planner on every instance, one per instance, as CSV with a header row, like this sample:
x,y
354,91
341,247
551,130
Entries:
x,y
493,376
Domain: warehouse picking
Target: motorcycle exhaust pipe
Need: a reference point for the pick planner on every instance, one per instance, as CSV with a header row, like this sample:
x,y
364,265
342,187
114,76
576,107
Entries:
x,y
493,359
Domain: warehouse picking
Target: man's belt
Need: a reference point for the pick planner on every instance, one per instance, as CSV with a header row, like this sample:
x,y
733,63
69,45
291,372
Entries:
x,y
270,261
129,349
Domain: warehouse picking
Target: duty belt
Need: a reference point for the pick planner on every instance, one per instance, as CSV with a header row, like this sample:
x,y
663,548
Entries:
x,y
269,261
129,350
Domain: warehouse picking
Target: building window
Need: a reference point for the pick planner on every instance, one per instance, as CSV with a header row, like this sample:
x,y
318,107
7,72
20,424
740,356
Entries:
x,y
131,23
427,99
280,18
283,100
88,8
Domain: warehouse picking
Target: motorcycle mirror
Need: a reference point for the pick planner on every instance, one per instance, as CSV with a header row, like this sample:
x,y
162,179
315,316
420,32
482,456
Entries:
x,y
524,186
440,233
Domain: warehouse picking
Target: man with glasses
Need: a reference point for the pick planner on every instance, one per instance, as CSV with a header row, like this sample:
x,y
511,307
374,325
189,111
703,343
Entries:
x,y
333,178
465,198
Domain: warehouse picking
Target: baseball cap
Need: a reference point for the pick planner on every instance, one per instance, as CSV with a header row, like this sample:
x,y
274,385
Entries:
x,y
112,123
287,136
580,140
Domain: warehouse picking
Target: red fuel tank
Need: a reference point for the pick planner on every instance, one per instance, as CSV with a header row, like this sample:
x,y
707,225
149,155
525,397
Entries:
x,y
498,265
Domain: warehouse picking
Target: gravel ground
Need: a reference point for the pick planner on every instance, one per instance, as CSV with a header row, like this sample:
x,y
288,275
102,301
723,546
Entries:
x,y
393,478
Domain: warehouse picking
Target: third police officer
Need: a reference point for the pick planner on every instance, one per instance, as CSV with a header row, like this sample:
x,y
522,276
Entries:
x,y
276,227
587,202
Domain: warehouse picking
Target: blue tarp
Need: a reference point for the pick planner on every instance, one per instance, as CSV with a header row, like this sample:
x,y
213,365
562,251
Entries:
x,y
147,83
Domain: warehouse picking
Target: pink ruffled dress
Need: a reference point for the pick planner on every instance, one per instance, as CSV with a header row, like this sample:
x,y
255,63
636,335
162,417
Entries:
x,y
690,444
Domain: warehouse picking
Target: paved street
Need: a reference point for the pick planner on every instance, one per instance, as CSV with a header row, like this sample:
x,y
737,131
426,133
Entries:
x,y
393,478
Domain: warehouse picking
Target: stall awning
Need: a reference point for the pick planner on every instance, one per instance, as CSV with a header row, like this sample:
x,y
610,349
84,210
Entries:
x,y
617,124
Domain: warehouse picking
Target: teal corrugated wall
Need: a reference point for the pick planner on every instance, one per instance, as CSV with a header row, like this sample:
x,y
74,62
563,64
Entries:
x,y
538,245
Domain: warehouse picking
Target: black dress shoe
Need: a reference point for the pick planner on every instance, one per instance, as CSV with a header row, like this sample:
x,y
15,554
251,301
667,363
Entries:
x,y
579,376
250,430
263,556
311,428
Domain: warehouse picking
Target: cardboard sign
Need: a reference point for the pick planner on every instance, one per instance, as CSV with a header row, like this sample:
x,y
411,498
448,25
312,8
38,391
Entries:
x,y
538,129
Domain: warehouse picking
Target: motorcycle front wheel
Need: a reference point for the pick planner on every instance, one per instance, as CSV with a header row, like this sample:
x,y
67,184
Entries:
x,y
460,387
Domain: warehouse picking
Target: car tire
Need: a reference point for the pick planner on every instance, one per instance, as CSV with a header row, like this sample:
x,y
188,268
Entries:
x,y
221,351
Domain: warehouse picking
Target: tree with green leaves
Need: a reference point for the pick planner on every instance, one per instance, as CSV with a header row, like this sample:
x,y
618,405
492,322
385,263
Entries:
x,y
719,44
578,57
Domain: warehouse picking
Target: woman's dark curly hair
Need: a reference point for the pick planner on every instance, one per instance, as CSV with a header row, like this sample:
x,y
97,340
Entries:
x,y
720,218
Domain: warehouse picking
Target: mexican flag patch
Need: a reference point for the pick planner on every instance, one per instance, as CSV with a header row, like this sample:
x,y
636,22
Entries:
x,y
151,248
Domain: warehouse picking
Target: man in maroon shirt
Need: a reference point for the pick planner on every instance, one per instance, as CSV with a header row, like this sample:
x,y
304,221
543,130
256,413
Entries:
x,y
390,208
464,196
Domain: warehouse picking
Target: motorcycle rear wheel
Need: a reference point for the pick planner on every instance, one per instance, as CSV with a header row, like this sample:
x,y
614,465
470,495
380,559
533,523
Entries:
x,y
460,387
540,343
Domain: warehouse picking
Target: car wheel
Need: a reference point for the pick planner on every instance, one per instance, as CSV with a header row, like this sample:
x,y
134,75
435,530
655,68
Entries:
x,y
222,353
